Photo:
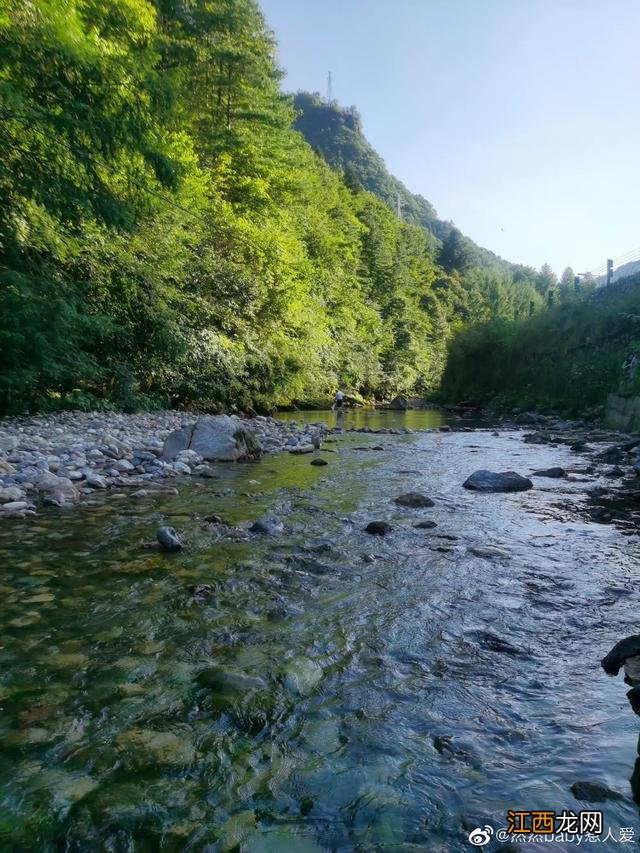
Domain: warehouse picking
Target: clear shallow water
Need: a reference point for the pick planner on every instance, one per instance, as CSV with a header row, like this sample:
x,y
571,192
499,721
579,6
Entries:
x,y
378,418
313,701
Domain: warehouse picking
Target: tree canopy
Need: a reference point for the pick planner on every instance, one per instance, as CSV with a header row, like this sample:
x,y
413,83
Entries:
x,y
169,238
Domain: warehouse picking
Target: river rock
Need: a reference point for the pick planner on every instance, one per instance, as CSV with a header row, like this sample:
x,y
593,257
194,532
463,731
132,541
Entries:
x,y
319,461
13,507
489,481
52,484
594,792
415,500
189,457
182,468
527,418
269,524
302,448
11,493
425,525
301,676
205,471
399,403
95,481
553,473
213,438
488,551
168,539
177,442
378,528
147,747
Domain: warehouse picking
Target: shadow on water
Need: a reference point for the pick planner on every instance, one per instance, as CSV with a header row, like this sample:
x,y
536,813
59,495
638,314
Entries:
x,y
320,689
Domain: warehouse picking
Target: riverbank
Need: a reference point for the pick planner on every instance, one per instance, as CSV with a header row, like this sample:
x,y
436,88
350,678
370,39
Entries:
x,y
63,458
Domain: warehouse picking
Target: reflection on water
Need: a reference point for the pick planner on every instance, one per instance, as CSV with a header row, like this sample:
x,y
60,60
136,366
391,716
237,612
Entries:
x,y
321,689
372,418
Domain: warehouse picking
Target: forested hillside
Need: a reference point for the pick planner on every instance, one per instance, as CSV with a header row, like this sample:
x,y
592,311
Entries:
x,y
168,238
337,134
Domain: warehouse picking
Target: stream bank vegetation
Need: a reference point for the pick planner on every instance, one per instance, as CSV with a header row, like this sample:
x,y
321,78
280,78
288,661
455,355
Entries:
x,y
567,358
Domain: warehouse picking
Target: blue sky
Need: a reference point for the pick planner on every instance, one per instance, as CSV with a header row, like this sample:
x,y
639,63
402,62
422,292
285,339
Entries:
x,y
518,119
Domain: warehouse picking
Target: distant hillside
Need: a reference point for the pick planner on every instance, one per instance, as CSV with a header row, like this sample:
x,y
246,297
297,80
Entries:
x,y
336,133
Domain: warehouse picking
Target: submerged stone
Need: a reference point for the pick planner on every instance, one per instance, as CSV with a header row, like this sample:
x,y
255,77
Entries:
x,y
488,551
594,792
415,500
378,528
142,747
269,524
553,473
168,539
301,676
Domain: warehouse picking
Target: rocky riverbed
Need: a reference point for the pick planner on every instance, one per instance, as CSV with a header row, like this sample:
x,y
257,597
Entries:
x,y
294,679
65,458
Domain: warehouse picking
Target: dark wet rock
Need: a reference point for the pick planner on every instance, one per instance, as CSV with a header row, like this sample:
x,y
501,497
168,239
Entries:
x,y
441,743
318,546
269,524
378,528
593,792
489,481
444,428
600,515
213,519
368,558
202,592
627,648
168,539
306,806
578,446
527,418
614,473
488,551
553,473
497,644
612,455
399,403
537,438
415,500
319,461
425,525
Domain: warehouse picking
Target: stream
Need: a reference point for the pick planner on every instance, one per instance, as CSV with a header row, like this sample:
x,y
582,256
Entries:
x,y
320,689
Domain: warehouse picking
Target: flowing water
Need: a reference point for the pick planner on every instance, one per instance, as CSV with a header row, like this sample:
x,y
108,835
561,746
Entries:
x,y
323,689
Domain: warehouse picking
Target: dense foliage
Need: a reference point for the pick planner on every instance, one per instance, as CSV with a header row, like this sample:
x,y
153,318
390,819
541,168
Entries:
x,y
567,358
168,238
